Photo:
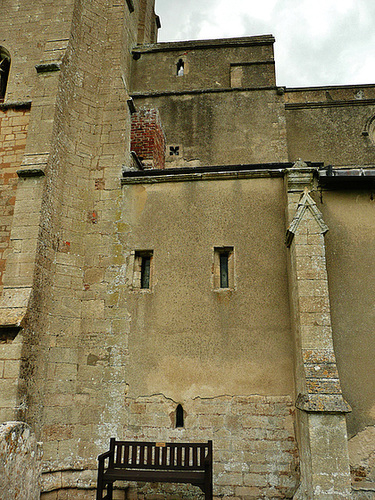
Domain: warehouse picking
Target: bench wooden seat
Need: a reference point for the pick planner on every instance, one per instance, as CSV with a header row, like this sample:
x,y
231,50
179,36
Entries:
x,y
189,463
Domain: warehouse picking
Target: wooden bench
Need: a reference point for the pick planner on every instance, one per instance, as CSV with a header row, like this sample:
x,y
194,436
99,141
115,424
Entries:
x,y
189,463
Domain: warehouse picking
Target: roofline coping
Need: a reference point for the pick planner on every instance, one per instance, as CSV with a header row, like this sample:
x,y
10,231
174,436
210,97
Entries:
x,y
329,87
204,44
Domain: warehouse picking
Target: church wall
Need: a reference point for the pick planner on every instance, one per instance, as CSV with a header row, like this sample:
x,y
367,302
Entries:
x,y
139,26
208,131
320,122
187,336
98,357
29,46
225,355
92,142
207,64
79,137
224,109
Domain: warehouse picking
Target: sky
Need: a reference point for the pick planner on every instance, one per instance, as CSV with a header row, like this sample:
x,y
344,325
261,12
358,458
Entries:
x,y
318,42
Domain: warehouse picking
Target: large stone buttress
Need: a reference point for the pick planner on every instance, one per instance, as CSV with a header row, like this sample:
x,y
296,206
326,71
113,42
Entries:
x,y
321,408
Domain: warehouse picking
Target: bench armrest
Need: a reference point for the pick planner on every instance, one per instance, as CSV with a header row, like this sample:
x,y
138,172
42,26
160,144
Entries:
x,y
101,460
105,455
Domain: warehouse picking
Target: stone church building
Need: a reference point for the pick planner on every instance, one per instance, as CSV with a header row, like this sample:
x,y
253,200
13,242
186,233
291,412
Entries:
x,y
186,254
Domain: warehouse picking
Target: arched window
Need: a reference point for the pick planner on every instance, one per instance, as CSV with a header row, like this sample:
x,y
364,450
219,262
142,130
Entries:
x,y
179,416
4,71
180,67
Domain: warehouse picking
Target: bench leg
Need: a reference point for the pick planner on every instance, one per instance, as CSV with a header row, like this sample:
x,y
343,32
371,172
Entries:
x,y
208,493
99,489
208,483
110,491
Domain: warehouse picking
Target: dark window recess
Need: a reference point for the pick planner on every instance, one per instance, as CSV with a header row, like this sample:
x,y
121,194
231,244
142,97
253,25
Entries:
x,y
174,150
8,334
223,269
145,271
130,5
180,67
4,71
142,278
179,416
224,275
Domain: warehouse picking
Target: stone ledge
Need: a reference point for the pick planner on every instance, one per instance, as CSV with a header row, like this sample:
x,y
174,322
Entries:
x,y
322,403
162,93
329,104
15,105
201,177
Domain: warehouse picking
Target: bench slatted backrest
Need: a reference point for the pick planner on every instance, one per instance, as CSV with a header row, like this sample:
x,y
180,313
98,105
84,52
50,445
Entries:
x,y
160,456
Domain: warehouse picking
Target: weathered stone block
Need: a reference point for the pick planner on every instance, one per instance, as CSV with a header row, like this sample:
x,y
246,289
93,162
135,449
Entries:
x,y
19,462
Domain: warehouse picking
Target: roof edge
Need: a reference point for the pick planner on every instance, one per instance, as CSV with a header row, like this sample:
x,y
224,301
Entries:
x,y
204,44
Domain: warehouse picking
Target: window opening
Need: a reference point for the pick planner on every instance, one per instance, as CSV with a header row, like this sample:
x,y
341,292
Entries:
x,y
224,278
130,5
4,71
179,416
180,67
143,269
223,268
174,150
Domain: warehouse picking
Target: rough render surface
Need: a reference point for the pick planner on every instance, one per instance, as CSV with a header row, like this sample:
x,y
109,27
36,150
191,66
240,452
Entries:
x,y
350,245
200,341
209,132
343,115
362,459
19,462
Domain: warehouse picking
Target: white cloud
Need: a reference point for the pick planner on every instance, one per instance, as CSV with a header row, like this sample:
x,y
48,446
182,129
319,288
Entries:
x,y
320,42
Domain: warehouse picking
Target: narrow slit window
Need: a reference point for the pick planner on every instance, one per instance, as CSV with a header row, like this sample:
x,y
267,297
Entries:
x,y
4,71
179,416
145,271
223,268
180,67
224,277
142,275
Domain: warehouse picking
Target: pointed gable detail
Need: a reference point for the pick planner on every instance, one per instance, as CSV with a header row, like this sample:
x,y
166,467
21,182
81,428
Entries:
x,y
305,203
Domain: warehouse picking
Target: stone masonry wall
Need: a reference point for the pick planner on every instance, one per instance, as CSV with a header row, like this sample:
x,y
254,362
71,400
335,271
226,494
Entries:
x,y
147,137
255,454
13,133
75,333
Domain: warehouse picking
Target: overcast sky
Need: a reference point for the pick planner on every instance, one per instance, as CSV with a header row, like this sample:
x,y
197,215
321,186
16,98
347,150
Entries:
x,y
318,42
